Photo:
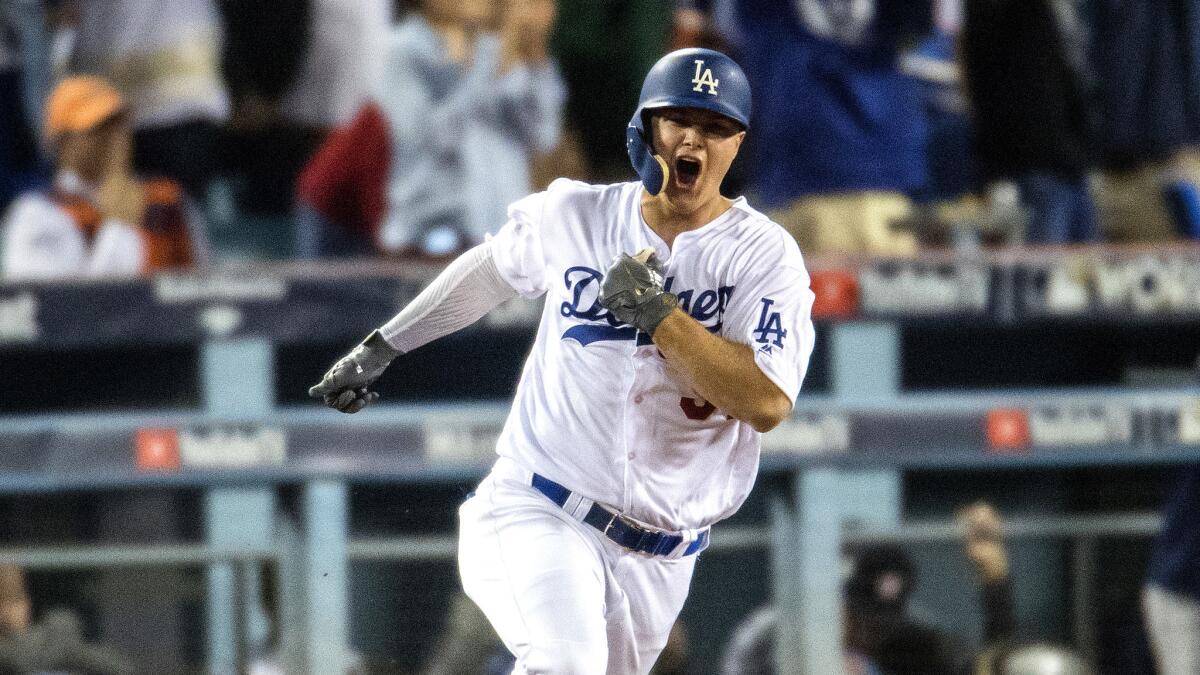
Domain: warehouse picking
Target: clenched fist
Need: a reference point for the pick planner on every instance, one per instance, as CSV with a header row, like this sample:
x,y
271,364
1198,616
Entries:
x,y
345,386
632,290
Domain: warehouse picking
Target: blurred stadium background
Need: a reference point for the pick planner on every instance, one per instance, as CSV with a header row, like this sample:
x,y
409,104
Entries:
x,y
165,479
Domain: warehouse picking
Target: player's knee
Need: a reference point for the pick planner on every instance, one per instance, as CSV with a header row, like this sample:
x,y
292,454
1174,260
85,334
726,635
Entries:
x,y
566,658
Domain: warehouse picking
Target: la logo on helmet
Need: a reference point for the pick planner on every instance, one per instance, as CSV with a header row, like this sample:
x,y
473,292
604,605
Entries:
x,y
704,80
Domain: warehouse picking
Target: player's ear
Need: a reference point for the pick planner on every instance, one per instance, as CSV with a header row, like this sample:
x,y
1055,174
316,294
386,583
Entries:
x,y
740,137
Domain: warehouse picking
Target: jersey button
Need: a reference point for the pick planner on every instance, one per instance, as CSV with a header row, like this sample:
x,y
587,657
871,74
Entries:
x,y
637,399
631,455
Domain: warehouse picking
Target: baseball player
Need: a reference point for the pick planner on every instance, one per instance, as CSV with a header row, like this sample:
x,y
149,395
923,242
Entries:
x,y
676,329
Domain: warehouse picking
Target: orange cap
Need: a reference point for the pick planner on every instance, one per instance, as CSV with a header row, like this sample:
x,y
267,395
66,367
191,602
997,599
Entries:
x,y
81,103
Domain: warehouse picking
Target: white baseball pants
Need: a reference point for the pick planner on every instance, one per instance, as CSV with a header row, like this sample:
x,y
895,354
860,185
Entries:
x,y
564,599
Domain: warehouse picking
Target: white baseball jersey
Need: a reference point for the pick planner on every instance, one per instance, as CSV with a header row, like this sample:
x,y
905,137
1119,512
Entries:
x,y
598,409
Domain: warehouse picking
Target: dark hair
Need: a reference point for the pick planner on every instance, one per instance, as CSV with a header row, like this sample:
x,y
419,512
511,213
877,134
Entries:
x,y
883,575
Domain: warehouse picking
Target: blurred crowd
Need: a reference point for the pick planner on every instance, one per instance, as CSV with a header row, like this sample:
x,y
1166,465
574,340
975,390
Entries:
x,y
138,135
146,135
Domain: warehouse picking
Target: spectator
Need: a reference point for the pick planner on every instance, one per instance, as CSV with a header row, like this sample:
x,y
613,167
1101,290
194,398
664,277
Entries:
x,y
1171,599
52,644
878,624
163,56
341,195
693,25
1002,655
99,220
1025,74
339,66
933,64
262,56
841,184
24,78
321,57
1148,99
26,35
464,111
880,634
947,207
983,543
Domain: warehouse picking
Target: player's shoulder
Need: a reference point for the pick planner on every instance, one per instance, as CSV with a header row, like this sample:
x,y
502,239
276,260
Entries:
x,y
763,240
568,195
569,188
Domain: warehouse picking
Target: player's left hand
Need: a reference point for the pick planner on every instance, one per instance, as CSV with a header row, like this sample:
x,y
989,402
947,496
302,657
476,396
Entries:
x,y
345,385
632,290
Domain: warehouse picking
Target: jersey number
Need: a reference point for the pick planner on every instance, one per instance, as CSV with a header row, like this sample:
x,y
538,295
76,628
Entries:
x,y
696,408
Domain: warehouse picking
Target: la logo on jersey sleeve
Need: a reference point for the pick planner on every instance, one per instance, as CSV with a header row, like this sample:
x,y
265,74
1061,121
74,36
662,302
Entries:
x,y
770,332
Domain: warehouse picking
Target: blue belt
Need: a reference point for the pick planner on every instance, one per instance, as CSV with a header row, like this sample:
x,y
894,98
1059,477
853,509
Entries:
x,y
619,528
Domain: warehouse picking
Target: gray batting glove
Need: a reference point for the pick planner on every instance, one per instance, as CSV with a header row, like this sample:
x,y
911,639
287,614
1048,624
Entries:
x,y
345,385
633,291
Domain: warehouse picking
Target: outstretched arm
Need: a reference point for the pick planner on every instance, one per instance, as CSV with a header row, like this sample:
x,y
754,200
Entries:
x,y
468,288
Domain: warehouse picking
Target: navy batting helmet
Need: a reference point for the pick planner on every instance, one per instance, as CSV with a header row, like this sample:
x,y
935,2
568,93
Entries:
x,y
685,78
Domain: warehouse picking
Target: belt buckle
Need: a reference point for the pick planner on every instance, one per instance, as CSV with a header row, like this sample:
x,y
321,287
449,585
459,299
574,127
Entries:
x,y
625,521
641,533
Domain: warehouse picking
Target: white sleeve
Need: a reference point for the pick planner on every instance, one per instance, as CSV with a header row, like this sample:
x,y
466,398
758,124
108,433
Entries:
x,y
468,288
40,241
518,247
771,311
117,251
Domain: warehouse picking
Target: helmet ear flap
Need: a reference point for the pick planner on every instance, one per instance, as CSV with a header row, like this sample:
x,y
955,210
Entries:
x,y
650,167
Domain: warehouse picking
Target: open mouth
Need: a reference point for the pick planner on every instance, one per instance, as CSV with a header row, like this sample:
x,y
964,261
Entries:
x,y
687,171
